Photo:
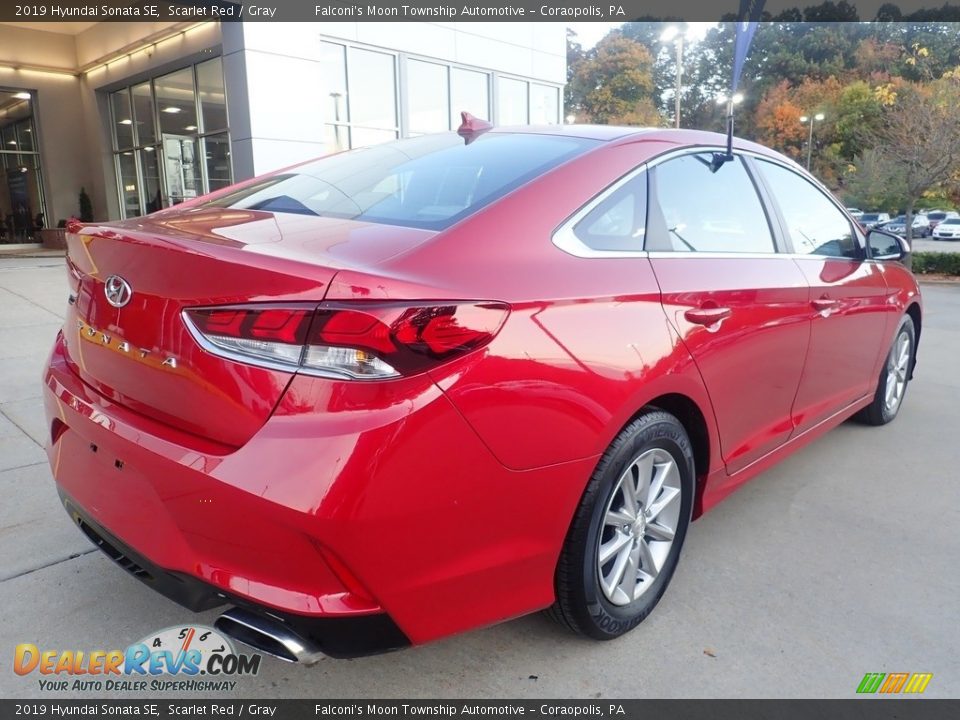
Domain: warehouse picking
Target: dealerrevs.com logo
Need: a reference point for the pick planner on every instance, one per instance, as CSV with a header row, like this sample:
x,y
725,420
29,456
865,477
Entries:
x,y
183,659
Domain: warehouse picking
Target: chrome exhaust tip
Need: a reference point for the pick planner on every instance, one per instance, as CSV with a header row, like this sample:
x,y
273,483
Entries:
x,y
268,636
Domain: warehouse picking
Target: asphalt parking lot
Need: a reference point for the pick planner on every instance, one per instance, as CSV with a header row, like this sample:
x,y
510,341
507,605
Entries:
x,y
840,561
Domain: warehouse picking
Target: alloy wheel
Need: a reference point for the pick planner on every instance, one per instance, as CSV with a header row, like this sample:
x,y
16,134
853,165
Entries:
x,y
639,526
898,368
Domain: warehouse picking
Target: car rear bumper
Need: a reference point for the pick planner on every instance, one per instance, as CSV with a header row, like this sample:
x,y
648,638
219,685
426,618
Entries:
x,y
392,517
336,636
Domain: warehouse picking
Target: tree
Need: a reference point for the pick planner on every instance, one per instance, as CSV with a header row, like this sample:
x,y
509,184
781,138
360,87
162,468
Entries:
x,y
858,115
613,82
778,121
574,58
920,138
870,182
831,12
889,12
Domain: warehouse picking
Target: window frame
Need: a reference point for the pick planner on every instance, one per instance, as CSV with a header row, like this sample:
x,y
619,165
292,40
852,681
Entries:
x,y
200,135
18,157
636,200
654,217
861,240
566,240
492,79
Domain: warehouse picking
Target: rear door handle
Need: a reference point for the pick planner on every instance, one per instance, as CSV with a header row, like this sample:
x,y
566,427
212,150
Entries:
x,y
707,316
823,304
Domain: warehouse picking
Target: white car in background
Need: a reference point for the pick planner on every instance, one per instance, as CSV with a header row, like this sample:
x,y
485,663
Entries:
x,y
855,213
948,229
938,216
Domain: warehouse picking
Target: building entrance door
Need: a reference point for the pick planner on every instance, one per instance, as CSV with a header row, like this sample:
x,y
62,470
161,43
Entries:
x,y
182,171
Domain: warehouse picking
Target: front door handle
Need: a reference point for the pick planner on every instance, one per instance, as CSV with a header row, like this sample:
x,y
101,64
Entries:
x,y
824,304
707,316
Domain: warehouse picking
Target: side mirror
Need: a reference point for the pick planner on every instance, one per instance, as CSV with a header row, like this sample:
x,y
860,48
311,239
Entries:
x,y
888,246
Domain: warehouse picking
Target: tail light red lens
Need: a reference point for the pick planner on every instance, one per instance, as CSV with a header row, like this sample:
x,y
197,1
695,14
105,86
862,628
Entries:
x,y
347,340
272,323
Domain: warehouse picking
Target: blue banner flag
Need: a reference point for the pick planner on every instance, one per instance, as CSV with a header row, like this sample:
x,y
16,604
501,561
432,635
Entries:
x,y
747,20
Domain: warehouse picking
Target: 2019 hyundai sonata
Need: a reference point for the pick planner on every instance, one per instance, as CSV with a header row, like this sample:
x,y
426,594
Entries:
x,y
413,389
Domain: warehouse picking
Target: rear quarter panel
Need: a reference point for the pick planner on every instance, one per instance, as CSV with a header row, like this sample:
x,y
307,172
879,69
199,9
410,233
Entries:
x,y
587,343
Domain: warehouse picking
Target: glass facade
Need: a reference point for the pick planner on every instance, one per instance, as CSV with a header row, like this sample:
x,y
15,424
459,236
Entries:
x,y
360,96
22,209
372,97
171,138
513,103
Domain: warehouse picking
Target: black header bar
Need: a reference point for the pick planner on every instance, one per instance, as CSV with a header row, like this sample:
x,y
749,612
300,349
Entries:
x,y
462,11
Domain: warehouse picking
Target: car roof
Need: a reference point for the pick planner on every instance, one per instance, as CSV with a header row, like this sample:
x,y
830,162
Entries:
x,y
605,133
621,134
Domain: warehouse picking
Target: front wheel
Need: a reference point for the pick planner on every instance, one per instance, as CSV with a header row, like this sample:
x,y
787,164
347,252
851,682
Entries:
x,y
894,376
625,539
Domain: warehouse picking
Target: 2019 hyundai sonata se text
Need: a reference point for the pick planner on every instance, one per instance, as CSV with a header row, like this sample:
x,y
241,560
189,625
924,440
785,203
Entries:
x,y
412,389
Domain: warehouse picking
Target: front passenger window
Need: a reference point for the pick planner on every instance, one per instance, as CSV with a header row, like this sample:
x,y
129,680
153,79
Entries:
x,y
815,224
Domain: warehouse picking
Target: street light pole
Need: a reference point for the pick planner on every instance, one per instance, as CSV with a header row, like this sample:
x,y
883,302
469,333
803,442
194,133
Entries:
x,y
673,34
676,98
803,119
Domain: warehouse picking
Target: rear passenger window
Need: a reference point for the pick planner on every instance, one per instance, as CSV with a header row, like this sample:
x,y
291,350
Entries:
x,y
815,224
618,222
706,211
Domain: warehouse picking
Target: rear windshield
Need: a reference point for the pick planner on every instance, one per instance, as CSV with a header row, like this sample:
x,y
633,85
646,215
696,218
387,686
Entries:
x,y
952,221
429,182
870,216
936,215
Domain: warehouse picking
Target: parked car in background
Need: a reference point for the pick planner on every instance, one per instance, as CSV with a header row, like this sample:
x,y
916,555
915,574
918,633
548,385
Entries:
x,y
412,389
872,220
855,213
938,216
949,229
920,226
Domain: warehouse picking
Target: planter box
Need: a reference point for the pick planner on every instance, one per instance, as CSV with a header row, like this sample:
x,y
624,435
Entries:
x,y
53,238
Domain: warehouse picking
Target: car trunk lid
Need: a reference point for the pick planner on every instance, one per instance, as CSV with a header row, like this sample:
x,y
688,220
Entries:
x,y
142,356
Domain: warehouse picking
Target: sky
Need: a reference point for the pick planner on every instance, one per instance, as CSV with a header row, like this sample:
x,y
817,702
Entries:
x,y
590,33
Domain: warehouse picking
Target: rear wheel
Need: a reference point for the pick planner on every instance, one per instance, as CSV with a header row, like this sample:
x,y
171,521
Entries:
x,y
894,376
625,539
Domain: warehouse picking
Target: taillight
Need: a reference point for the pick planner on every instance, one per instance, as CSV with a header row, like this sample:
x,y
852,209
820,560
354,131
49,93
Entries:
x,y
346,340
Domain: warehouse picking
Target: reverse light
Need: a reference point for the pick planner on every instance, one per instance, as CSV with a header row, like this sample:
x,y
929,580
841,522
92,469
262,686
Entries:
x,y
358,341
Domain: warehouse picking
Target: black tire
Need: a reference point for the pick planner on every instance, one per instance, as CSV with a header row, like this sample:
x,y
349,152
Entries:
x,y
581,604
878,412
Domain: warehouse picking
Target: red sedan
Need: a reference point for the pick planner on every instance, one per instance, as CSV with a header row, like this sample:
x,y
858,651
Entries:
x,y
414,389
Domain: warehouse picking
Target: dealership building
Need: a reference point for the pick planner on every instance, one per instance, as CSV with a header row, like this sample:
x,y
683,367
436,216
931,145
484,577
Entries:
x,y
144,115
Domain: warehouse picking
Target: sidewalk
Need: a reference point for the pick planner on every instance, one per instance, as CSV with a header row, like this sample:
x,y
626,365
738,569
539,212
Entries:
x,y
32,298
28,250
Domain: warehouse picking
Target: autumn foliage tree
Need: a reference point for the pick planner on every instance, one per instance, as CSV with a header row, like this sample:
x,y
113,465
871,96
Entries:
x,y
865,77
920,139
613,83
778,121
